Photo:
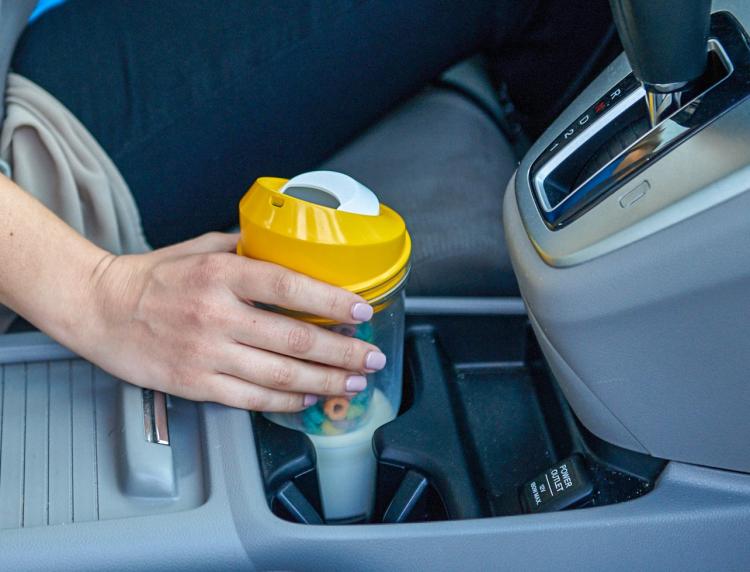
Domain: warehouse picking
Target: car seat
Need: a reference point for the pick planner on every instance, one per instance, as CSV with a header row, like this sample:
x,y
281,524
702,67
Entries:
x,y
443,160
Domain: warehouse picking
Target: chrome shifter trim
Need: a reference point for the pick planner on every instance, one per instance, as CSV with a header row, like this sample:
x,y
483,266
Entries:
x,y
650,146
663,99
540,177
668,87
701,167
662,104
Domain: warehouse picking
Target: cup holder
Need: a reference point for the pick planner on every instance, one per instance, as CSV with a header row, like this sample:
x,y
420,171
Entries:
x,y
481,418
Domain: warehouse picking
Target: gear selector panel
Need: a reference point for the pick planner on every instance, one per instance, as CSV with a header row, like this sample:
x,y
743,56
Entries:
x,y
590,117
612,141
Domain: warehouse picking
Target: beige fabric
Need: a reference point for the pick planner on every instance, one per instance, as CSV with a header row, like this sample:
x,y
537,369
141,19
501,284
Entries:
x,y
57,160
14,15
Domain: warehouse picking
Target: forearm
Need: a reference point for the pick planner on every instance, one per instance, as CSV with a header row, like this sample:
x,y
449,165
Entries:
x,y
47,270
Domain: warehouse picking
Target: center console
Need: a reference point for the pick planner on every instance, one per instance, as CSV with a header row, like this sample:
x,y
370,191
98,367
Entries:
x,y
630,244
466,476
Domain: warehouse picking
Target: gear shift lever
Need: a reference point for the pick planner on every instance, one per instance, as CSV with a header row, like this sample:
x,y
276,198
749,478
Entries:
x,y
666,44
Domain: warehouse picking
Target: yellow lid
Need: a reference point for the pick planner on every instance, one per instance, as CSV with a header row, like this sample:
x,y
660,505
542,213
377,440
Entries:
x,y
366,254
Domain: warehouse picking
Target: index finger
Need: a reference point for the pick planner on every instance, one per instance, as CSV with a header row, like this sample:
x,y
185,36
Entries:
x,y
269,283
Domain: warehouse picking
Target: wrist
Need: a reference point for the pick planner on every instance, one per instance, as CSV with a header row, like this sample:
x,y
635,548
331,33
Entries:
x,y
95,302
72,312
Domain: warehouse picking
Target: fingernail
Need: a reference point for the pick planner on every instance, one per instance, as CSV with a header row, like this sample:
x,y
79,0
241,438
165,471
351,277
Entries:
x,y
375,361
310,400
361,312
356,383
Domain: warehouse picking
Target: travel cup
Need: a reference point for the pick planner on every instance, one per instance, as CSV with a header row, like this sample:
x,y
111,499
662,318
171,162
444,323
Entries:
x,y
330,227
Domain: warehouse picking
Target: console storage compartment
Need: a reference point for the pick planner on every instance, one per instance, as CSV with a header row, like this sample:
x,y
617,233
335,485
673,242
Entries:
x,y
481,417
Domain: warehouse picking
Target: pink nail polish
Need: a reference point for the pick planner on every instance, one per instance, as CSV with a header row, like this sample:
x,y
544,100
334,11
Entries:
x,y
355,383
375,361
361,312
310,400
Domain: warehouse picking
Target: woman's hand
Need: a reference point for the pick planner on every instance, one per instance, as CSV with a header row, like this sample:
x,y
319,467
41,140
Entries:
x,y
182,320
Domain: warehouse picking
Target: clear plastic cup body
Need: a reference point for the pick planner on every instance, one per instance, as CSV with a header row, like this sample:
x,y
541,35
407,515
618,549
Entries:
x,y
341,427
340,415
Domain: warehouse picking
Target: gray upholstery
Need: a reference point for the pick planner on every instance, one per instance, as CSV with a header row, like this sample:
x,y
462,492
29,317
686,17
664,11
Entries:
x,y
13,17
443,164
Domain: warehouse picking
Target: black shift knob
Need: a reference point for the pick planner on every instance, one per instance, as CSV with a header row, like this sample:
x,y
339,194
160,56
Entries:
x,y
665,40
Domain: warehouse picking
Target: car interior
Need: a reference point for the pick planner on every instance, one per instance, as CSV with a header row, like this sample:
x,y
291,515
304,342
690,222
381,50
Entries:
x,y
575,386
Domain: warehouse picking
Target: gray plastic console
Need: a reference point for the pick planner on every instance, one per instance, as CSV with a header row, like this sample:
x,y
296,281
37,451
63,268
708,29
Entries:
x,y
694,519
73,446
642,307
